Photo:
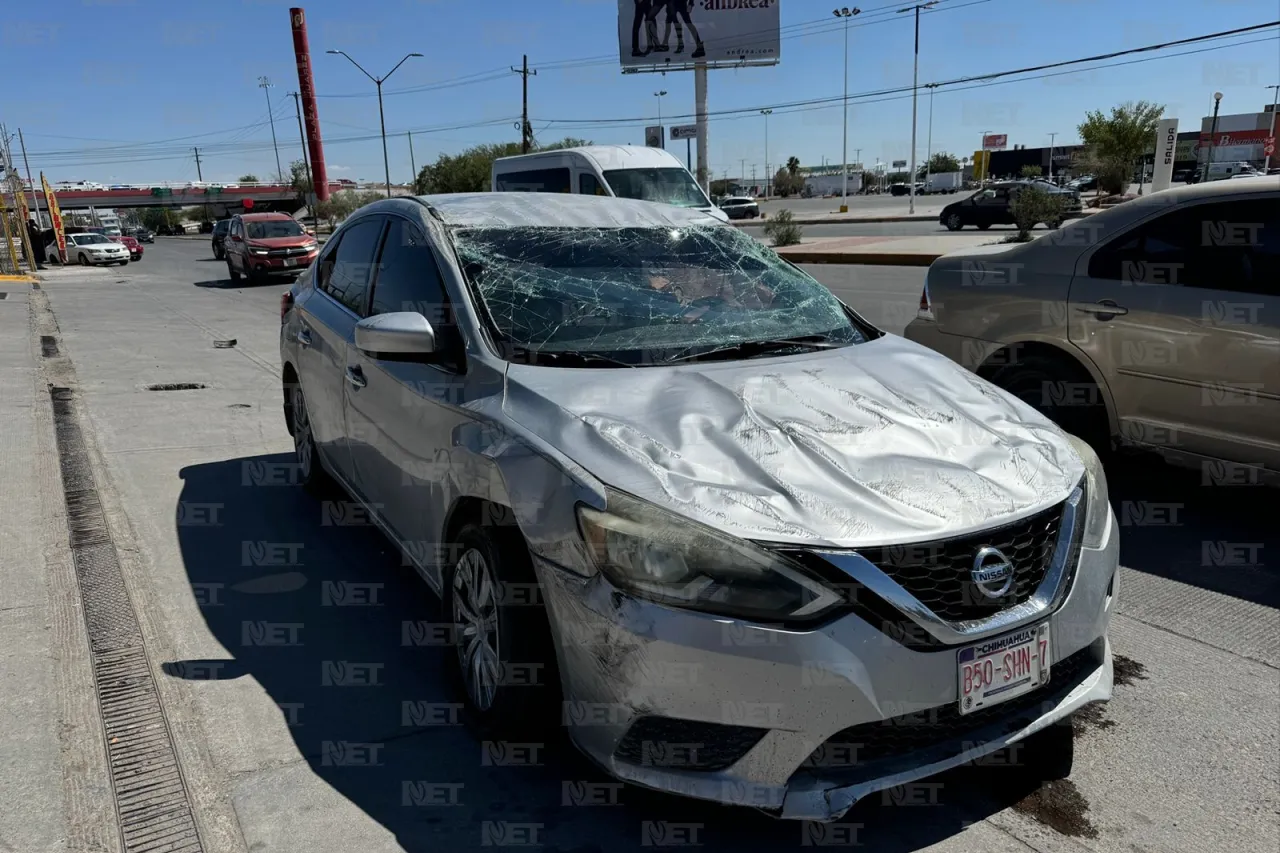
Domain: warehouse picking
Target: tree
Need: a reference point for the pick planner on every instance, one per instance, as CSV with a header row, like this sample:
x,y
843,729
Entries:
x,y
299,182
1032,205
785,183
722,186
1115,142
940,162
156,218
1030,171
469,171
793,166
248,179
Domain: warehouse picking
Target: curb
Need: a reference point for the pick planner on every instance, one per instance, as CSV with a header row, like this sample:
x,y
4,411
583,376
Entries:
x,y
844,220
19,278
883,259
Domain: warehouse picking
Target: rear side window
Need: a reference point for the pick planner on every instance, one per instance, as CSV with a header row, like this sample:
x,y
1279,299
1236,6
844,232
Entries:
x,y
1228,245
588,185
346,272
535,181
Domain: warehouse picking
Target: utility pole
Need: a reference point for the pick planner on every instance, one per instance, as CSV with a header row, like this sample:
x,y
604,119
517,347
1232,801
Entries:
x,y
35,196
526,130
846,13
306,163
265,85
1275,97
412,165
857,161
200,178
766,114
1213,132
1052,136
915,86
928,148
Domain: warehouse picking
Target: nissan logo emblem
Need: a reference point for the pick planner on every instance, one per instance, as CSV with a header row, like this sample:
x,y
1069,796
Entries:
x,y
992,572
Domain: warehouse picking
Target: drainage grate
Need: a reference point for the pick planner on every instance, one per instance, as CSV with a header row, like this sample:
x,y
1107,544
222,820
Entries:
x,y
153,807
177,386
48,346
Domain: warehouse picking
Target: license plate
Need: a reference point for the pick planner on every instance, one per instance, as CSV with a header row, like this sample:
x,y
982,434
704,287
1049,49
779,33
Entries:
x,y
1003,668
290,262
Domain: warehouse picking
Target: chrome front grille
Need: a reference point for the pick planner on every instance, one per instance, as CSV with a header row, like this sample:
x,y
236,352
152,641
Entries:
x,y
940,573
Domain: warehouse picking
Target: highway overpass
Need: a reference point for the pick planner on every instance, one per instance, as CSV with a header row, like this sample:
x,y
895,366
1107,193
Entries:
x,y
222,200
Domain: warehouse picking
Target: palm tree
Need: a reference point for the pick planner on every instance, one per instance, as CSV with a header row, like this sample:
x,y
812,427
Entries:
x,y
793,166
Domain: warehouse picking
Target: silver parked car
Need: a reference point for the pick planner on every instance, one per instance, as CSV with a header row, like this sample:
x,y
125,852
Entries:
x,y
750,548
1155,324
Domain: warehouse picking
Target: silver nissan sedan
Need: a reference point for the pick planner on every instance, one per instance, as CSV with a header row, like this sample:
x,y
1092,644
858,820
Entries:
x,y
743,545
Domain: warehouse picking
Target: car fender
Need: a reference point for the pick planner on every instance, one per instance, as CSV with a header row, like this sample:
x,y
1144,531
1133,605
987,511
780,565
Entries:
x,y
1069,352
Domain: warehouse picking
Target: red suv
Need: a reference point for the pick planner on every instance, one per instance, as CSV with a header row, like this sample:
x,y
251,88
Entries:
x,y
265,245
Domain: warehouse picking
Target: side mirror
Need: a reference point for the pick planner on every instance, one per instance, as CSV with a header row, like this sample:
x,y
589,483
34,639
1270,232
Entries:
x,y
399,333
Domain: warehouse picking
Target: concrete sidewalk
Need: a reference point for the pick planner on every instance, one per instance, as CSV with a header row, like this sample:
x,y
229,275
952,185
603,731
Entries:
x,y
883,251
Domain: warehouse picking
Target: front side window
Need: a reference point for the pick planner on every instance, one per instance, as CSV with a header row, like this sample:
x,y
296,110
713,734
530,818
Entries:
x,y
667,186
588,185
643,296
346,278
273,228
409,280
534,181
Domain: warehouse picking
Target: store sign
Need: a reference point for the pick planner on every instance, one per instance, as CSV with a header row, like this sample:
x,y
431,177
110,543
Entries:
x,y
1166,153
995,142
899,164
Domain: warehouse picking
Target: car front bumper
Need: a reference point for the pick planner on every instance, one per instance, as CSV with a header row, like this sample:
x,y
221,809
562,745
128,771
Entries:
x,y
624,660
269,266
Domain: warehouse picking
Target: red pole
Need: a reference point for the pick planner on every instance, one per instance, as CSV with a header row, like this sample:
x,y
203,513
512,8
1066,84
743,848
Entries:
x,y
307,91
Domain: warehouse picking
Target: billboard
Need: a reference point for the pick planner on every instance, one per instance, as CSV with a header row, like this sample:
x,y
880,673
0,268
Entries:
x,y
684,131
1166,153
653,136
899,164
995,141
668,35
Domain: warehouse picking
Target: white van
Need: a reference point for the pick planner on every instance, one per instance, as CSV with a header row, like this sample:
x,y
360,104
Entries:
x,y
1221,171
624,171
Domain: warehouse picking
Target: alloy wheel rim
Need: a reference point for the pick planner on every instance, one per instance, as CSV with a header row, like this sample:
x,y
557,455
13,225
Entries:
x,y
954,220
301,433
475,616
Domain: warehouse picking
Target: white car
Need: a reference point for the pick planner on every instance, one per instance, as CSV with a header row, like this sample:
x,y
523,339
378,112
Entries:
x,y
86,249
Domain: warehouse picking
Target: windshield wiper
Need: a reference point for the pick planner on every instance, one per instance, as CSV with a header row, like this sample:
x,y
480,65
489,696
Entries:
x,y
756,349
566,358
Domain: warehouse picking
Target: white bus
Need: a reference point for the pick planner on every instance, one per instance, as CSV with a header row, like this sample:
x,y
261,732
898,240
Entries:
x,y
624,171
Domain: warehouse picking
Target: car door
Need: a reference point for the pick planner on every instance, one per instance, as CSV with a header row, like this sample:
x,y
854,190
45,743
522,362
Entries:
x,y
326,328
233,244
1182,316
402,415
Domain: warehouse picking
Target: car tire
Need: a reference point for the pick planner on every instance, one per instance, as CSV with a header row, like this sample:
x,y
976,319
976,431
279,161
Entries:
x,y
231,273
1048,755
84,260
954,222
311,473
502,641
1030,380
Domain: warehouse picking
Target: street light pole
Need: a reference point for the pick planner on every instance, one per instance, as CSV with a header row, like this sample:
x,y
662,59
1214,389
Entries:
x,y
265,85
767,173
846,13
986,158
662,134
1274,99
915,85
1051,138
1213,132
377,81
928,148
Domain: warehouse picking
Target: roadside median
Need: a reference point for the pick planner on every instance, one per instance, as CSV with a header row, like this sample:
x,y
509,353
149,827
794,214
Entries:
x,y
881,251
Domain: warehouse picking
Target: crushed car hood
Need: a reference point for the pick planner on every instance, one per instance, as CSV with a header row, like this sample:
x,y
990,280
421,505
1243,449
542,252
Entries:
x,y
880,443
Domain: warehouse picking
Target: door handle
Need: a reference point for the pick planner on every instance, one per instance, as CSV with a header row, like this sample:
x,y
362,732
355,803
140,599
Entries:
x,y
356,377
1104,310
304,336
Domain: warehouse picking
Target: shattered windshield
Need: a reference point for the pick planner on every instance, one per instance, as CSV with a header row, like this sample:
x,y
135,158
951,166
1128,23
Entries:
x,y
666,186
644,296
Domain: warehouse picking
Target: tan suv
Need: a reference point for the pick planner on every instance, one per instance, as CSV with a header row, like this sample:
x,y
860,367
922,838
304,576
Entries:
x,y
1155,324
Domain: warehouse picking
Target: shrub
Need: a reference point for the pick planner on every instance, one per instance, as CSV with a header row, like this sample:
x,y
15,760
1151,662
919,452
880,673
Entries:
x,y
783,229
1033,205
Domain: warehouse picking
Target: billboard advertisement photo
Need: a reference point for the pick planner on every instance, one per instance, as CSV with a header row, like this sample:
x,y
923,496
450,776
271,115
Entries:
x,y
665,35
995,142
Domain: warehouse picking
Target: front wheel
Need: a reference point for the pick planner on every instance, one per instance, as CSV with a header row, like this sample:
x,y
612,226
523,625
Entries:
x,y
954,222
231,272
84,260
311,474
504,653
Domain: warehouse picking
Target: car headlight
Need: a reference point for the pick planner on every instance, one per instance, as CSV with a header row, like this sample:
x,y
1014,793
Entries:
x,y
656,554
1098,509
258,251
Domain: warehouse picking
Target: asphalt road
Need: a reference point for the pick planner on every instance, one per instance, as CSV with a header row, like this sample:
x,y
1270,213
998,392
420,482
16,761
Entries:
x,y
1183,758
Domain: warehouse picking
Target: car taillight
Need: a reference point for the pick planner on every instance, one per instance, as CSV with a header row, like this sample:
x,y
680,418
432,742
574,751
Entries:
x,y
286,302
926,305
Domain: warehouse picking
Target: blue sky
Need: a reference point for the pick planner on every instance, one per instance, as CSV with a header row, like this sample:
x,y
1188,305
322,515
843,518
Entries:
x,y
123,88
